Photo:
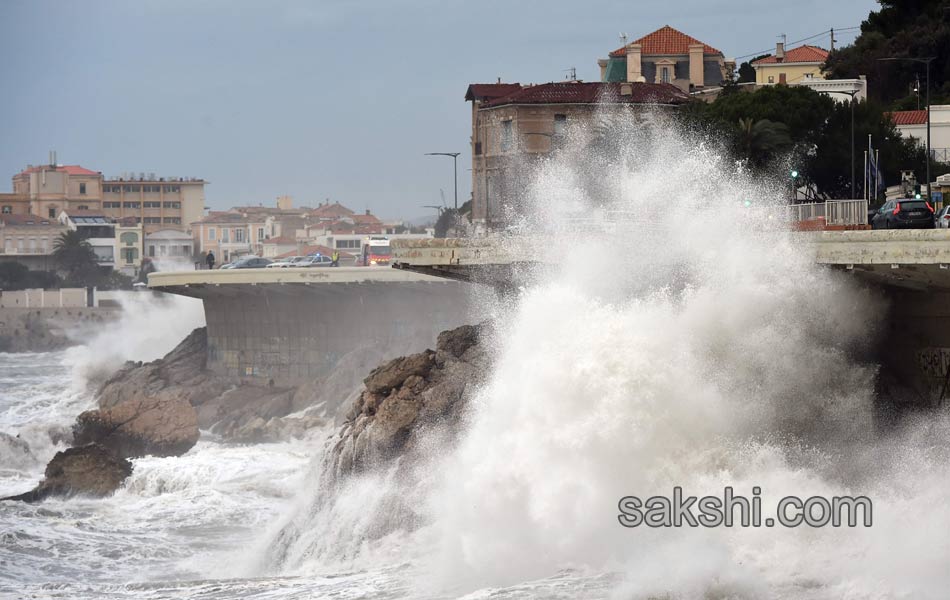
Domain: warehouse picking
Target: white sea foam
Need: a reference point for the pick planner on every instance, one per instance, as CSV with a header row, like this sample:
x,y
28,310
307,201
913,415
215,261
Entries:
x,y
692,341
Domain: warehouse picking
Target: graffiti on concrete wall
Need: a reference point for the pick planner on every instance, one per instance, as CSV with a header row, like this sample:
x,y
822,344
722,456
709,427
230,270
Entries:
x,y
933,362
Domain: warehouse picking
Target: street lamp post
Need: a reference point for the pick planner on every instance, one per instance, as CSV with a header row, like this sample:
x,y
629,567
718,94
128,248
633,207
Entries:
x,y
926,61
852,93
455,173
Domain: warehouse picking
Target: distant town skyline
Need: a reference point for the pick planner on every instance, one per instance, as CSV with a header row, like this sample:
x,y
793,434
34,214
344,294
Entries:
x,y
333,100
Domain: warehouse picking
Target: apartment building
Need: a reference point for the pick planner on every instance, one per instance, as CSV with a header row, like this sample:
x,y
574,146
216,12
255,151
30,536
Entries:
x,y
515,125
667,55
156,203
229,234
29,239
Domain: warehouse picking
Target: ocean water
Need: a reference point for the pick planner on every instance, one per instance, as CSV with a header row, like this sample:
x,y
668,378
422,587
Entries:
x,y
682,338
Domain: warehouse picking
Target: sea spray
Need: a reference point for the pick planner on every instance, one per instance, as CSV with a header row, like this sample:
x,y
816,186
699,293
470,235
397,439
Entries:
x,y
150,326
680,336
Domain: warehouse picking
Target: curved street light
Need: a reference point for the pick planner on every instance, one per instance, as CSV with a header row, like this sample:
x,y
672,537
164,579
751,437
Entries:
x,y
455,172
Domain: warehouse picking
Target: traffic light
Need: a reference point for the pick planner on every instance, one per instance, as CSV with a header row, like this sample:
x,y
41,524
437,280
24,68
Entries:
x,y
917,191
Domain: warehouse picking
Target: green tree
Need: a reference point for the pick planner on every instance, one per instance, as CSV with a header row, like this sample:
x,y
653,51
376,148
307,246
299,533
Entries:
x,y
17,276
901,28
75,256
747,71
757,141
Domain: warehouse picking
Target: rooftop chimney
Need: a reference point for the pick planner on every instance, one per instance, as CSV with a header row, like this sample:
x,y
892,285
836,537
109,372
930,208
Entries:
x,y
367,212
780,51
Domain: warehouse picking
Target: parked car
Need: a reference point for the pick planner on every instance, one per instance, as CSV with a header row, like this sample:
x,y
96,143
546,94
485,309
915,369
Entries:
x,y
905,213
315,260
942,219
248,262
287,263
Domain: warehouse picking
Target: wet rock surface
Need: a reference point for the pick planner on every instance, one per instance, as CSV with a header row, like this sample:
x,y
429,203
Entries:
x,y
158,426
406,395
91,470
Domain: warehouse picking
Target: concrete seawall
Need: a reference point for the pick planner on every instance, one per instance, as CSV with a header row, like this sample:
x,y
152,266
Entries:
x,y
47,329
289,326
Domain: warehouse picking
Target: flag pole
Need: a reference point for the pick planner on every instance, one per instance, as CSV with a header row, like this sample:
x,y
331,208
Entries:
x,y
865,175
877,173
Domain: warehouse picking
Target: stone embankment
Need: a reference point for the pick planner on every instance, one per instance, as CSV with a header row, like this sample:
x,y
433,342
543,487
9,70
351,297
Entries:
x,y
49,329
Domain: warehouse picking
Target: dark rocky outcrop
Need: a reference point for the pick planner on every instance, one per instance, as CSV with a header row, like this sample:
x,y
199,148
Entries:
x,y
169,386
157,425
91,470
407,395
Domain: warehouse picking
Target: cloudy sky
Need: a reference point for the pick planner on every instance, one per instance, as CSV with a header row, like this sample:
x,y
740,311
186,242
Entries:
x,y
319,99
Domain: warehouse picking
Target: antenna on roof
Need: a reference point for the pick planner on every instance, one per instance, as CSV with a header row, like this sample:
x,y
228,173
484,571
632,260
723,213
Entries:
x,y
572,74
623,38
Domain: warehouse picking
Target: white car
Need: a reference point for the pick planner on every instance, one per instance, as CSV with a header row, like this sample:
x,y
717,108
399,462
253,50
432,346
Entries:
x,y
286,263
942,218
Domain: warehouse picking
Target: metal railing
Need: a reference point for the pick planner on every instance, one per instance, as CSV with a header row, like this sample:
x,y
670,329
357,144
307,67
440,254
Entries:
x,y
835,212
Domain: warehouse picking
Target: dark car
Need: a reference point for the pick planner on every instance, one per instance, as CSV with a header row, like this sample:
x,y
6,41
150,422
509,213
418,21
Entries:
x,y
248,262
905,213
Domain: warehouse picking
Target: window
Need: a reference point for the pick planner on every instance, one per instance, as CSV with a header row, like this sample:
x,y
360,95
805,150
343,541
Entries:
x,y
127,189
52,212
111,204
82,189
131,204
347,244
665,75
560,124
238,236
212,232
173,220
478,148
171,188
151,251
173,205
771,79
6,210
153,220
225,233
129,238
83,207
506,135
260,233
153,205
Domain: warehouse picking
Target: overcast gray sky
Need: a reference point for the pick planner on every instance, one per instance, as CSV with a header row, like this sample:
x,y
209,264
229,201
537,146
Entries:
x,y
318,99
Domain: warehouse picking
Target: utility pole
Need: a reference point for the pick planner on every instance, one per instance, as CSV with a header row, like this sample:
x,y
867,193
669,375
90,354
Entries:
x,y
852,94
926,61
832,40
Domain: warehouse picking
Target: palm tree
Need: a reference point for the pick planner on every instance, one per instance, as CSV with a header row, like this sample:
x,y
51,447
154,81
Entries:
x,y
759,140
74,255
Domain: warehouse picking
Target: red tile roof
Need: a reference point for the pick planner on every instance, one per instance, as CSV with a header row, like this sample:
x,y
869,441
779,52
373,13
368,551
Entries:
x,y
666,41
490,91
331,210
230,217
69,169
365,219
802,54
589,93
280,240
909,117
8,219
